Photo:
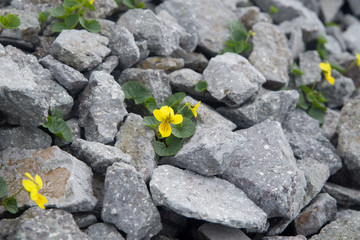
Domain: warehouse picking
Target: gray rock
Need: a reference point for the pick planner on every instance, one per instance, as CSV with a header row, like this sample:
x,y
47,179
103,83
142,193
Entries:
x,y
145,25
157,81
249,16
271,54
345,197
23,137
168,64
307,140
208,152
101,108
36,223
26,35
135,139
97,155
108,65
207,198
336,33
84,220
345,227
190,15
353,4
127,203
329,9
104,231
332,46
67,180
309,63
298,237
268,173
195,61
232,79
295,42
71,79
270,105
80,49
2,50
104,9
143,49
312,5
331,122
211,231
352,37
75,129
320,211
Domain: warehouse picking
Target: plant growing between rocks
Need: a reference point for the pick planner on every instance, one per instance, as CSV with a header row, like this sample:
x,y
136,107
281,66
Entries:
x,y
239,39
9,21
57,126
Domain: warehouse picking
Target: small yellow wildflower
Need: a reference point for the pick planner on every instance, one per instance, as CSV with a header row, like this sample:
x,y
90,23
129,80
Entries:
x,y
326,68
358,60
91,1
33,186
166,115
194,109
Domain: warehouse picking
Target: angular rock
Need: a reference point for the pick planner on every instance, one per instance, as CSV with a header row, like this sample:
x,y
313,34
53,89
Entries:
x,y
71,79
97,155
307,140
195,61
211,231
108,65
207,198
331,121
337,34
309,63
143,48
84,220
104,9
67,181
23,137
354,4
295,43
345,227
36,223
249,16
273,105
345,197
75,129
320,211
352,37
298,237
208,152
232,79
135,140
127,203
265,169
271,55
156,80
101,108
190,15
332,46
80,49
329,9
104,231
145,25
168,64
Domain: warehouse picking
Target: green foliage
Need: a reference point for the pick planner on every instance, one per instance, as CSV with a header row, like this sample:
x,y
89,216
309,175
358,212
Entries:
x,y
170,147
10,21
137,91
338,68
320,47
90,25
56,125
133,4
201,86
239,38
312,102
43,16
173,100
151,122
10,205
184,130
332,24
3,188
273,10
295,70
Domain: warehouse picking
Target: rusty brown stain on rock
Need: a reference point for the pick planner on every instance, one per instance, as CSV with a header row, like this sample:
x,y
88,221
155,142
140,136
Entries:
x,y
55,182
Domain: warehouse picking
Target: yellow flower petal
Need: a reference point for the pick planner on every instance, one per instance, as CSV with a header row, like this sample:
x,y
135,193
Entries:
x,y
159,115
34,194
41,201
29,185
29,176
330,79
38,181
91,1
176,119
165,129
325,67
194,109
166,110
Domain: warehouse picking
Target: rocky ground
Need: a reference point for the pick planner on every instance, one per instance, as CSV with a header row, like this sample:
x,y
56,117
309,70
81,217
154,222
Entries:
x,y
256,168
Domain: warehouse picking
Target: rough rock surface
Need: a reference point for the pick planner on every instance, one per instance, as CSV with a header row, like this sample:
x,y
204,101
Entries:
x,y
103,231
212,231
309,63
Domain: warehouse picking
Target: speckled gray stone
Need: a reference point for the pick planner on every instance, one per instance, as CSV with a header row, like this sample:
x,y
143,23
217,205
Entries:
x,y
80,49
273,105
101,108
207,198
168,64
331,121
309,63
353,4
127,203
232,79
212,231
73,124
271,54
298,237
108,65
97,155
23,137
84,220
265,169
352,37
36,223
296,43
195,61
104,231
345,197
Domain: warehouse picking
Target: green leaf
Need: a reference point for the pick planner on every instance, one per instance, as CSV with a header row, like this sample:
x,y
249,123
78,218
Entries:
x,y
311,97
319,105
320,47
332,24
183,130
227,49
247,46
72,20
137,91
321,98
11,205
58,126
58,12
71,5
317,114
130,3
302,103
295,70
117,2
338,68
150,104
321,39
3,188
239,48
273,9
238,35
150,122
173,99
305,89
10,21
90,25
141,5
171,148
43,16
201,86
89,6
58,27
236,25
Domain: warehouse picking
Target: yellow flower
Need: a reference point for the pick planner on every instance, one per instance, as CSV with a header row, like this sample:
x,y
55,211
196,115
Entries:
x,y
326,68
91,1
194,109
33,186
166,115
357,59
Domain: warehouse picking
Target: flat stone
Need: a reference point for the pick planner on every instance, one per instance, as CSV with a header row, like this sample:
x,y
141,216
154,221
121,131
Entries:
x,y
80,49
36,223
103,231
211,231
127,203
135,140
97,155
329,9
320,211
84,220
101,108
108,65
337,34
145,25
345,197
206,198
331,122
309,63
104,9
67,180
232,79
273,105
298,237
72,80
268,173
271,54
168,64
352,37
195,61
295,43
23,137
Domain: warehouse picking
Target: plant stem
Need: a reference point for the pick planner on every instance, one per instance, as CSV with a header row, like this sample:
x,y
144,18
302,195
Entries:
x,y
314,84
14,195
187,104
